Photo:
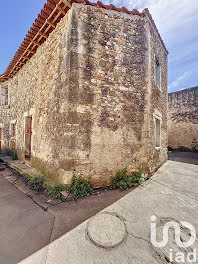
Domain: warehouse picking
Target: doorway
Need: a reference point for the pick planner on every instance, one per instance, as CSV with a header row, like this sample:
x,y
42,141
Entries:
x,y
28,136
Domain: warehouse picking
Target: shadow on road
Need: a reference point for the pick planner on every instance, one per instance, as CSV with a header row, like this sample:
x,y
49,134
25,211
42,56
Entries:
x,y
186,157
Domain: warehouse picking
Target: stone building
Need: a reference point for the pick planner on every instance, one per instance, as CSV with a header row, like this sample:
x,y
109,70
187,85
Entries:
x,y
87,91
183,119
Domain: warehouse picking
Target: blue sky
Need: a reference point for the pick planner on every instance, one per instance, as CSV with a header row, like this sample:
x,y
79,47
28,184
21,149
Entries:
x,y
177,21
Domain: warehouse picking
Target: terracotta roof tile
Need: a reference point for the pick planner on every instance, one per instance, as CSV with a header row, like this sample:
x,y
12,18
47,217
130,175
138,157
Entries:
x,y
46,13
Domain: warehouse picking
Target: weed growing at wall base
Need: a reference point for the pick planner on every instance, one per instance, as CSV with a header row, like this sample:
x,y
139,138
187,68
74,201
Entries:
x,y
14,157
80,187
36,183
185,149
55,191
124,181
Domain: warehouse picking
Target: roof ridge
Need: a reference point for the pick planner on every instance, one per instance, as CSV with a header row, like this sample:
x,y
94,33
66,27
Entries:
x,y
110,7
52,12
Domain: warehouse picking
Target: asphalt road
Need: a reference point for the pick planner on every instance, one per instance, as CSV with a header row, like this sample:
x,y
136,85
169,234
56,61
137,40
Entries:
x,y
26,227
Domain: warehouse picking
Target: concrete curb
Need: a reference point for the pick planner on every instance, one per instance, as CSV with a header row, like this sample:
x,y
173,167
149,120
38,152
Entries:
x,y
22,168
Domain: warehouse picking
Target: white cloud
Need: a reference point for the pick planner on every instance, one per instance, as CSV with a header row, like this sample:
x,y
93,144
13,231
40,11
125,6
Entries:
x,y
168,15
174,18
178,81
177,22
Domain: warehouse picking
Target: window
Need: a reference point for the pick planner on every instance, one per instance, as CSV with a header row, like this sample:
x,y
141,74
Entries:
x,y
13,130
157,133
157,118
157,73
4,96
13,134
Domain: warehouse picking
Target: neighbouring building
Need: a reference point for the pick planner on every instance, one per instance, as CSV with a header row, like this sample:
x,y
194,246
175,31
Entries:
x,y
87,92
183,119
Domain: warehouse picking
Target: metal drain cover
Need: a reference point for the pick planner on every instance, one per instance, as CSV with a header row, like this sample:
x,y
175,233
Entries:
x,y
106,230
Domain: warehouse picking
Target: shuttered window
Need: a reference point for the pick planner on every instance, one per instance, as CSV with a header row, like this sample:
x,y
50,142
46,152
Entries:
x,y
4,95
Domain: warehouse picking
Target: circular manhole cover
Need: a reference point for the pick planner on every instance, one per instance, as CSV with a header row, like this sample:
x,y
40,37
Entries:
x,y
106,230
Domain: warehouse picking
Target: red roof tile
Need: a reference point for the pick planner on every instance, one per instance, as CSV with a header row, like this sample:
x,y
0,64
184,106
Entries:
x,y
46,21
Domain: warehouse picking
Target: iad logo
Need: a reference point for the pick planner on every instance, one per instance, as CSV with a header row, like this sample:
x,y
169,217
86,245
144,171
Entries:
x,y
175,225
180,257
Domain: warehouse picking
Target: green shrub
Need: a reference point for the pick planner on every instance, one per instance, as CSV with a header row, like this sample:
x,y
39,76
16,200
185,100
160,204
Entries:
x,y
183,149
170,149
26,177
194,145
55,191
124,181
36,183
15,157
80,187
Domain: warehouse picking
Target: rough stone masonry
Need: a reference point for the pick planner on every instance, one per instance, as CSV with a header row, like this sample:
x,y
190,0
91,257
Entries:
x,y
91,97
183,119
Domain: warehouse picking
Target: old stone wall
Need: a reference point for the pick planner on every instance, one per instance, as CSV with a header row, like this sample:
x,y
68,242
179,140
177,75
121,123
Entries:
x,y
183,119
91,94
157,98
